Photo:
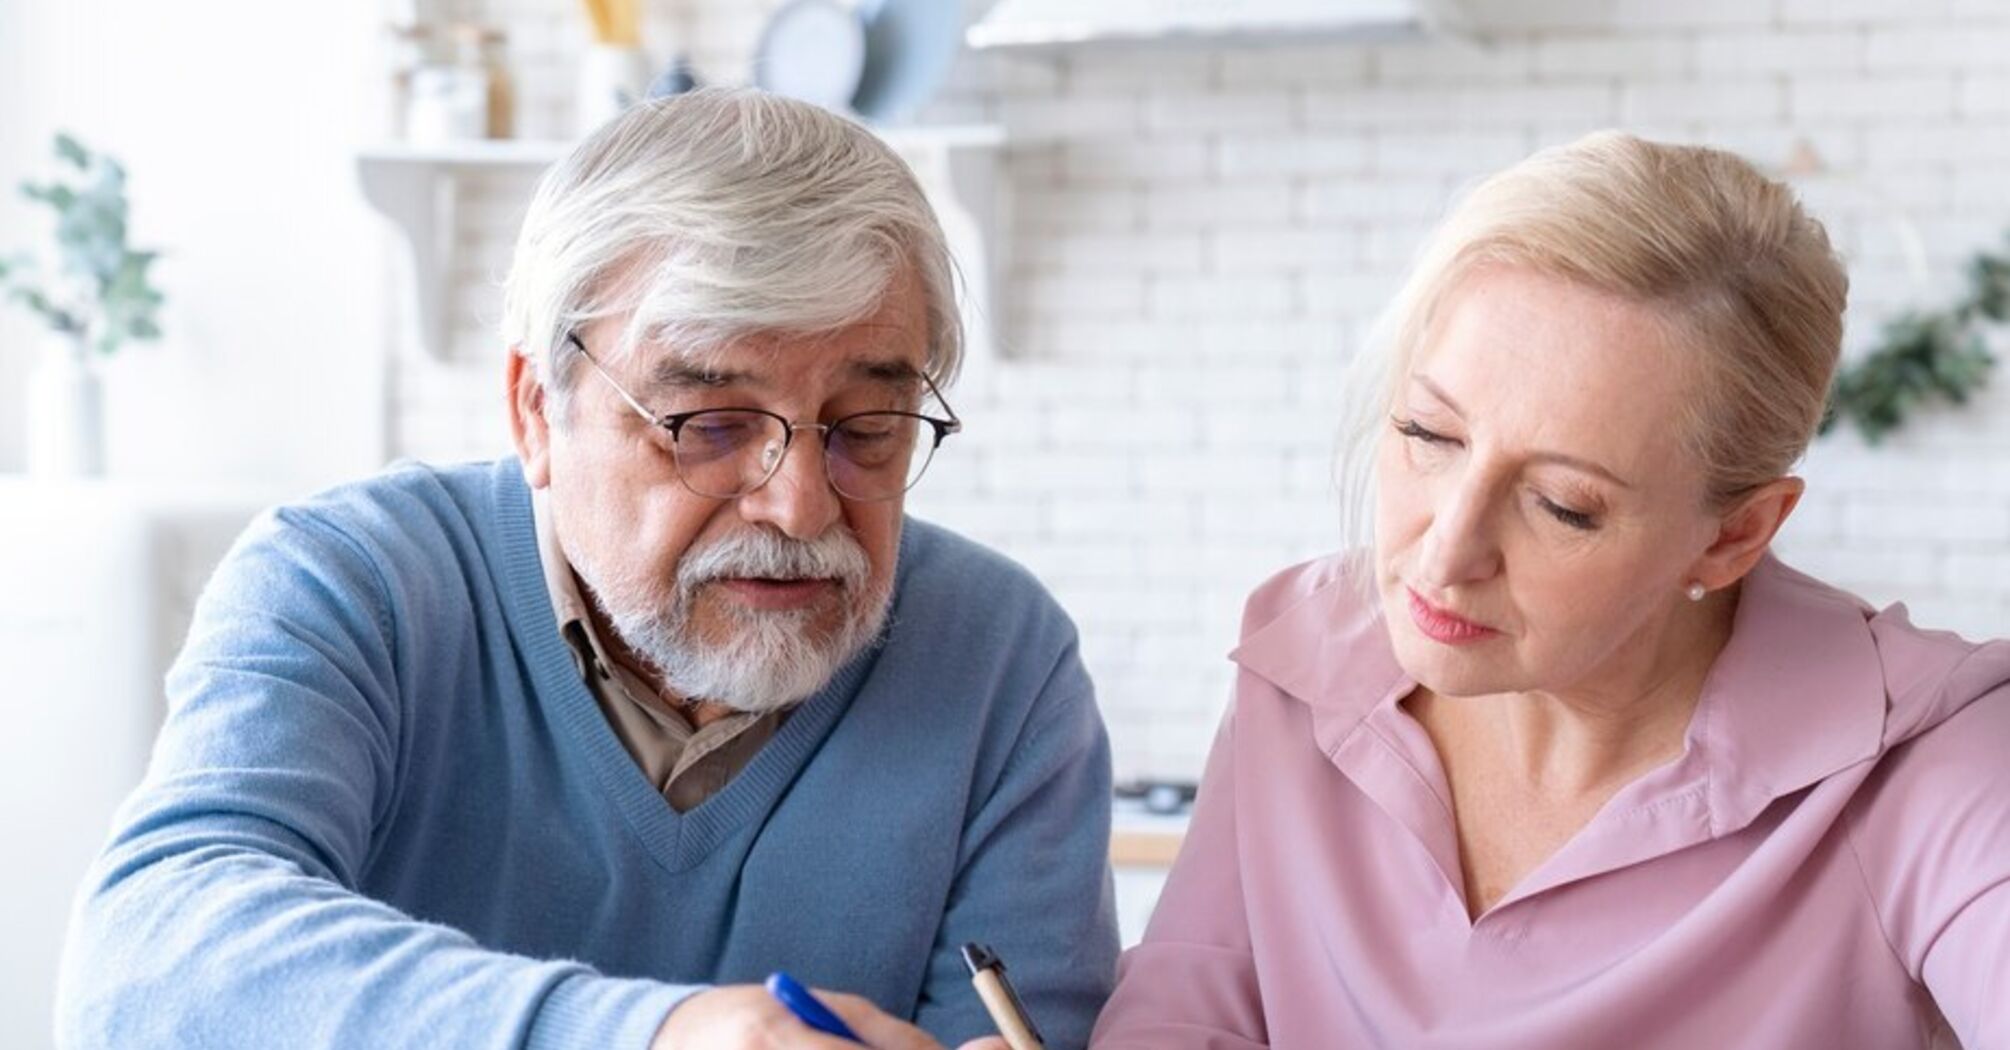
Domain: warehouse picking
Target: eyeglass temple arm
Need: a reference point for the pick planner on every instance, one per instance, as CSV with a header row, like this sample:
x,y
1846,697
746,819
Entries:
x,y
573,338
954,424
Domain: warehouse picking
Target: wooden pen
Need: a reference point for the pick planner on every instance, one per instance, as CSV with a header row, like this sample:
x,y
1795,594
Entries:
x,y
987,973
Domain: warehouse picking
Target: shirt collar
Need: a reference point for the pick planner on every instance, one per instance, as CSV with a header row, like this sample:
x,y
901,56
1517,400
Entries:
x,y
1329,649
1796,694
568,605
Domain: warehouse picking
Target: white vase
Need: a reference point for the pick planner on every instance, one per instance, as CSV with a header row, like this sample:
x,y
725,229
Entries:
x,y
611,79
66,414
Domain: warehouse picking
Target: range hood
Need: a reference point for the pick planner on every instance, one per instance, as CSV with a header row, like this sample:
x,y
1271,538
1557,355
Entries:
x,y
1062,23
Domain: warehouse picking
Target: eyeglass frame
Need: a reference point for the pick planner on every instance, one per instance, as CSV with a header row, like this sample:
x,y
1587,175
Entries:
x,y
674,422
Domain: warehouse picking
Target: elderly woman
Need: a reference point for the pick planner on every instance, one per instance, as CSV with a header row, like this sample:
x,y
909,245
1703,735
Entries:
x,y
1564,757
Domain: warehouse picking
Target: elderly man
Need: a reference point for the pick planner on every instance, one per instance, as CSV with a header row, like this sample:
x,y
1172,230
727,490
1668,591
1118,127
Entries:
x,y
571,749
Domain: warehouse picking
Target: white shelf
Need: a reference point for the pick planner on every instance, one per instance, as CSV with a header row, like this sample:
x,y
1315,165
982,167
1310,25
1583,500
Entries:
x,y
417,188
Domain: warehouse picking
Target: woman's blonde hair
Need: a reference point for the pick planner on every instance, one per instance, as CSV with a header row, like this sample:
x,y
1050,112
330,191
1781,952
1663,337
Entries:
x,y
1745,278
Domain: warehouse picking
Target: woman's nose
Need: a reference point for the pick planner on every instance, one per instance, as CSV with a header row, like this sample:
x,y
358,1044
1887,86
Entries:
x,y
1460,546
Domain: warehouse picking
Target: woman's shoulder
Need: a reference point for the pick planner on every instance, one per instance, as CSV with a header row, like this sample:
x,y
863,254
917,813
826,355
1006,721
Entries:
x,y
1947,714
1930,676
1912,724
1814,639
1931,826
1940,795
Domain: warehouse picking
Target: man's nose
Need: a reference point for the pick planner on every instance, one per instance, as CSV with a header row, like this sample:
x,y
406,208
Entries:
x,y
797,498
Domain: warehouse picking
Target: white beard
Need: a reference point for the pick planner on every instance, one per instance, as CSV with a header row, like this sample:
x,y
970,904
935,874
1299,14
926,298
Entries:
x,y
770,659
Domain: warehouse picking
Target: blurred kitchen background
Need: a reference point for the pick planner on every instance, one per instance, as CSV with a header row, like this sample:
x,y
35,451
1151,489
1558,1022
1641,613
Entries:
x,y
1173,240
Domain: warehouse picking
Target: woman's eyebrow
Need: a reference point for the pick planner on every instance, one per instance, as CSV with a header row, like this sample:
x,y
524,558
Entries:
x,y
1582,464
1559,458
1438,392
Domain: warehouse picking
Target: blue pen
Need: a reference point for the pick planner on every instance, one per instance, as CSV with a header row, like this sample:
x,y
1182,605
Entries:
x,y
806,1007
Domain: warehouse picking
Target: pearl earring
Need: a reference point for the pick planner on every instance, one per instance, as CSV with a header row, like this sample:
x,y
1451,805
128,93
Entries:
x,y
1696,591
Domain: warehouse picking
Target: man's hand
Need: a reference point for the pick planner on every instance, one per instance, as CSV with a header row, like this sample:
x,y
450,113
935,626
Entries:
x,y
746,1017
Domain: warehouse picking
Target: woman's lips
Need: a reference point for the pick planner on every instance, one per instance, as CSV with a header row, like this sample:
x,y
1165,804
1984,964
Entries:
x,y
776,594
1440,625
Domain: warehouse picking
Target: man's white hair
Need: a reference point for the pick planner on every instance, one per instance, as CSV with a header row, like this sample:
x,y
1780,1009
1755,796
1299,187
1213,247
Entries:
x,y
719,214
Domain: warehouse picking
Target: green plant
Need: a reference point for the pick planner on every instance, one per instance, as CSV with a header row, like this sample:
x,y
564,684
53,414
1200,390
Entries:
x,y
99,294
1925,354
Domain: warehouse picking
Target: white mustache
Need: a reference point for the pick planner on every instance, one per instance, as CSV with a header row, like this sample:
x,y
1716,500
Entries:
x,y
764,554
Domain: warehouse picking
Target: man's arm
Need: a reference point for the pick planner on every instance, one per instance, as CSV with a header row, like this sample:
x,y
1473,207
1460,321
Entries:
x,y
1034,877
222,913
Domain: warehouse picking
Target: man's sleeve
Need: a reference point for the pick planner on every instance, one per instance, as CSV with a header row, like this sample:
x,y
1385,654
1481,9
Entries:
x,y
1034,877
1191,983
222,913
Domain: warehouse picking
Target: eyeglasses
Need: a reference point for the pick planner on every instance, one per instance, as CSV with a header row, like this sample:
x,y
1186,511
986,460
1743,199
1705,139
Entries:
x,y
726,453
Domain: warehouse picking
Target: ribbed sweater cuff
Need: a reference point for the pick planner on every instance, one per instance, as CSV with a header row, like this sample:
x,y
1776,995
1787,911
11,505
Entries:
x,y
586,1010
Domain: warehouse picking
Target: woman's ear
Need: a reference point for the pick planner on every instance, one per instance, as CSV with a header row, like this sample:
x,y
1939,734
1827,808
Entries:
x,y
529,428
1745,531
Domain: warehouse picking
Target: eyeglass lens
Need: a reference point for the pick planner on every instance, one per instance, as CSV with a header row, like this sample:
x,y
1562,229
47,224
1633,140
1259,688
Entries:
x,y
729,452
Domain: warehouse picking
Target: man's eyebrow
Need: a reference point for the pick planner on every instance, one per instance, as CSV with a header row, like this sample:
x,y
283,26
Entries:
x,y
673,374
890,371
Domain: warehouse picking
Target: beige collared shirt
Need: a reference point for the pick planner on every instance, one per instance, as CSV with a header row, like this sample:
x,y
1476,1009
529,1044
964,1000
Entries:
x,y
688,765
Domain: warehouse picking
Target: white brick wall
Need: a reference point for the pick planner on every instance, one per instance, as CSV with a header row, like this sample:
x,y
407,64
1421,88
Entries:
x,y
1200,235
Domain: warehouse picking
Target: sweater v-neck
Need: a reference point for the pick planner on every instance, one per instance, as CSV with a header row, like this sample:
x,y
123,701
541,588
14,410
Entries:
x,y
677,841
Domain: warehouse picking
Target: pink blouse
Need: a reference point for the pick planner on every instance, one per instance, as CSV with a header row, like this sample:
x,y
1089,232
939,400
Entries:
x,y
1826,865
